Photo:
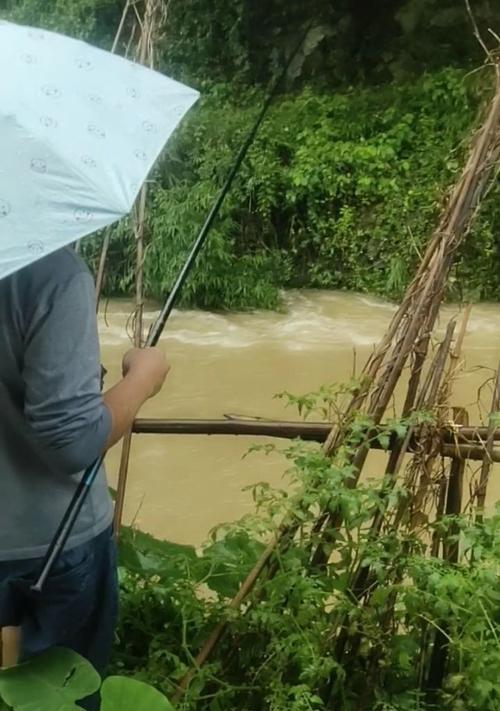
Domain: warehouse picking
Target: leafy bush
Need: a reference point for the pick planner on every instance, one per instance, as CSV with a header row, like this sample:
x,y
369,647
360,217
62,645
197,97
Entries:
x,y
306,639
338,191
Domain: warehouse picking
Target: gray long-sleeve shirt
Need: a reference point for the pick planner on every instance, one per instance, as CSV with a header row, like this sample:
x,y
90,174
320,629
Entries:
x,y
53,421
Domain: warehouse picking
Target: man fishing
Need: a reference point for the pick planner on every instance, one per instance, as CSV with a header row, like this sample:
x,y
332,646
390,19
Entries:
x,y
54,422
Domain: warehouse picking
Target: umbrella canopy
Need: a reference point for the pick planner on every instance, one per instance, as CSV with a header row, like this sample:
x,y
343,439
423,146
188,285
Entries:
x,y
80,129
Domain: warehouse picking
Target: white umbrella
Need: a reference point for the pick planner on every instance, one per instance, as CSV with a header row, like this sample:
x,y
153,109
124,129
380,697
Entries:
x,y
80,129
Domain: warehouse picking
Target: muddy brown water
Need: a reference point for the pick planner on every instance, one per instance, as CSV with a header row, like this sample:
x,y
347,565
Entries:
x,y
181,486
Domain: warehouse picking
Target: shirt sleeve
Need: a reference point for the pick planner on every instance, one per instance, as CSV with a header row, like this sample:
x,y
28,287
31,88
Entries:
x,y
63,405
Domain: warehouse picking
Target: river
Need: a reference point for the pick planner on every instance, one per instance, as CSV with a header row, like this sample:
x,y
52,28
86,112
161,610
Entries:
x,y
180,487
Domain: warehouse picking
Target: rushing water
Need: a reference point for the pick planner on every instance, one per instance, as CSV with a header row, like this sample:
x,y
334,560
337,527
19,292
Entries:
x,y
181,486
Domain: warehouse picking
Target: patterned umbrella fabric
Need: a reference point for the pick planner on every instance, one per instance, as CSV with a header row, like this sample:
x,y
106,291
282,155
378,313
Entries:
x,y
80,129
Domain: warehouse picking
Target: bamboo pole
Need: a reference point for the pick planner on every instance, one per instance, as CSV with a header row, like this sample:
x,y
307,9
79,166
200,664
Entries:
x,y
452,506
452,444
105,245
10,643
146,43
433,394
488,449
454,498
219,629
455,435
138,342
460,417
362,579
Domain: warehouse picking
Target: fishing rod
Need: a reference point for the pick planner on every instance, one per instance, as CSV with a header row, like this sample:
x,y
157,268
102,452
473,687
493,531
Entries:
x,y
68,521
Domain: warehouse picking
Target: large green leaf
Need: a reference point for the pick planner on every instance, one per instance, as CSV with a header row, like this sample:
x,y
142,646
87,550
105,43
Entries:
x,y
229,561
122,694
141,553
53,681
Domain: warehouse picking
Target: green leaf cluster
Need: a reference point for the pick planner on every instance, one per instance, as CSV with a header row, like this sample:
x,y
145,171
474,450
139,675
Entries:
x,y
315,637
59,678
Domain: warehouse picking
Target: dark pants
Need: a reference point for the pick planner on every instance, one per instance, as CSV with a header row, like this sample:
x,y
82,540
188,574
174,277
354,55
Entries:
x,y
77,608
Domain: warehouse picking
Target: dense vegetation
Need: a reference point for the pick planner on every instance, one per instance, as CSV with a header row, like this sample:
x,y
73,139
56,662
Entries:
x,y
343,184
308,641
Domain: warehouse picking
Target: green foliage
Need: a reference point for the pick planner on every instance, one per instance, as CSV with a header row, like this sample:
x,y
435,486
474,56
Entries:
x,y
474,276
349,41
57,679
225,276
52,681
85,19
121,694
344,189
307,640
343,184
338,192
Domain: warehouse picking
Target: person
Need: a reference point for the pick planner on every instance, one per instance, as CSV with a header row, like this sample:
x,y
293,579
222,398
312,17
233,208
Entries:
x,y
55,422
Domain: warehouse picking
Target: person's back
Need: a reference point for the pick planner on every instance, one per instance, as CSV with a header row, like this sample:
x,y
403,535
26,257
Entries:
x,y
54,423
52,416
